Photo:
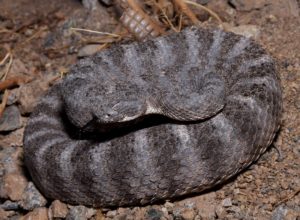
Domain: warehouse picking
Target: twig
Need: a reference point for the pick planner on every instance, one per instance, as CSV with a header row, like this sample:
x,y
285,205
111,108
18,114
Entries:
x,y
3,103
33,36
288,198
4,59
187,11
166,17
9,65
95,32
12,82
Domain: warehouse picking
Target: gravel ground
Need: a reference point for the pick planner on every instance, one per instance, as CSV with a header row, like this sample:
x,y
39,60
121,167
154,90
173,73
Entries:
x,y
37,33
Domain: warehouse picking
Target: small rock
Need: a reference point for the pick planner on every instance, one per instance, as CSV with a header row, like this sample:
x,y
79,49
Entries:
x,y
30,93
13,96
111,214
221,212
154,214
14,185
246,30
11,119
9,205
10,158
88,50
227,202
279,213
139,213
36,214
99,215
32,198
206,205
169,206
188,214
80,213
58,209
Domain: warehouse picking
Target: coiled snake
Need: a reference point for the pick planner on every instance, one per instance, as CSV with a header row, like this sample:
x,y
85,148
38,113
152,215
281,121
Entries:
x,y
149,121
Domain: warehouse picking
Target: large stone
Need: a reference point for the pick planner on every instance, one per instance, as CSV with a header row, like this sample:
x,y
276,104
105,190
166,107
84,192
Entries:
x,y
32,198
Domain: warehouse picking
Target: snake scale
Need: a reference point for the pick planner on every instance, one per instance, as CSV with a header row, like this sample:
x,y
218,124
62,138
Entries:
x,y
156,120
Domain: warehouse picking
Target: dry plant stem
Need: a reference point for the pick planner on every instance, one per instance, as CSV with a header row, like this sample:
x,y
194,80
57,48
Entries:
x,y
185,9
167,18
3,103
288,197
36,34
4,30
3,77
4,59
12,82
95,32
213,14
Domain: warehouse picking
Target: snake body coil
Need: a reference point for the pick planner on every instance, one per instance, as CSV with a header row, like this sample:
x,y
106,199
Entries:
x,y
155,120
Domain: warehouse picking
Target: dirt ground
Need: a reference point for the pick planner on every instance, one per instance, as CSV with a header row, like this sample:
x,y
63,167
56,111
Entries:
x,y
37,46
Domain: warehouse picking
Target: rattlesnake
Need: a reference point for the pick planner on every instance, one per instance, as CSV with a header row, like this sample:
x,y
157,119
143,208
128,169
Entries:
x,y
156,120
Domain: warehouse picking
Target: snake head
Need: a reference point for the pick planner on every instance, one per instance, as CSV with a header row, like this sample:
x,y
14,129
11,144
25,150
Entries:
x,y
101,103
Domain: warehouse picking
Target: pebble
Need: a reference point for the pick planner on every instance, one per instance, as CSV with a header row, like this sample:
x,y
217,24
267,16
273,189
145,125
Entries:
x,y
279,213
13,96
154,214
111,214
188,214
246,30
32,198
36,214
10,158
227,202
9,205
58,209
80,213
220,212
11,119
206,205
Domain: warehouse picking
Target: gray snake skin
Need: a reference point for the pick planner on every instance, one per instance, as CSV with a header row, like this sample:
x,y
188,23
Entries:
x,y
143,122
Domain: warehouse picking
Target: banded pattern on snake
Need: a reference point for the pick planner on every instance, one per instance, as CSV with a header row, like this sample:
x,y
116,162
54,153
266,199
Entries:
x,y
143,122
